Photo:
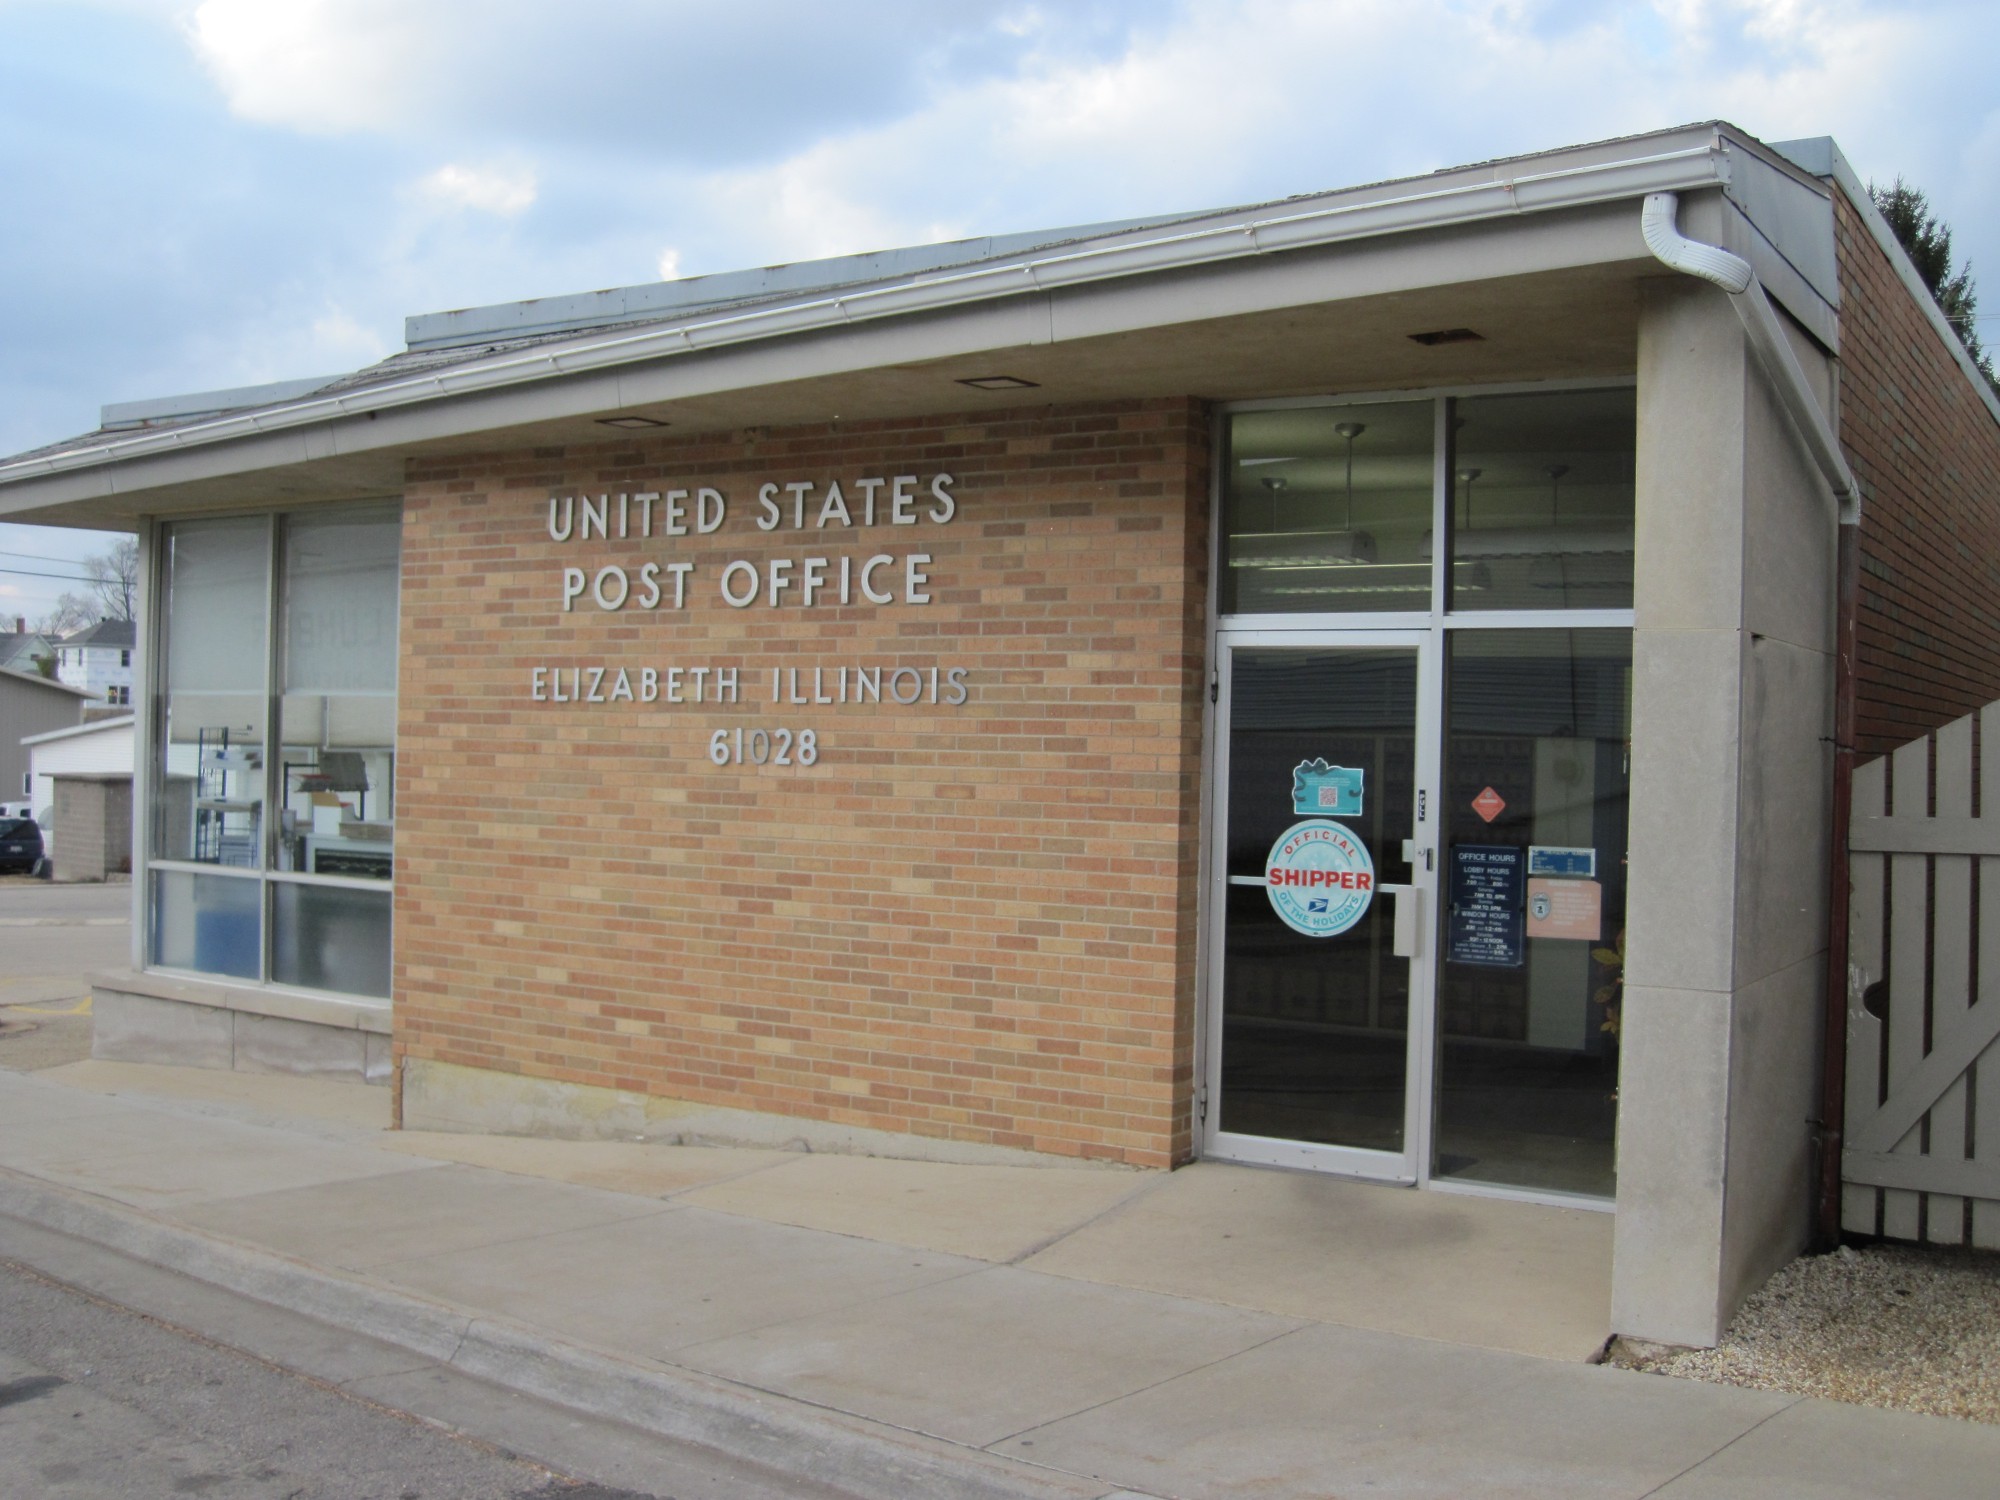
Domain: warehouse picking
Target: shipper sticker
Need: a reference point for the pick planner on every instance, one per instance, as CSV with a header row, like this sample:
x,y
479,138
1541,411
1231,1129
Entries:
x,y
1320,878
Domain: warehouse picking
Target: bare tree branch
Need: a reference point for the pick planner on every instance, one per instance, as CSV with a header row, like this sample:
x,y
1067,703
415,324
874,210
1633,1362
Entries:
x,y
72,612
114,579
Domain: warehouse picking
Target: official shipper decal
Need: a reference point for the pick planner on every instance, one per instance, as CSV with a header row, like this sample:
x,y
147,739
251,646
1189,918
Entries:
x,y
1319,789
1319,878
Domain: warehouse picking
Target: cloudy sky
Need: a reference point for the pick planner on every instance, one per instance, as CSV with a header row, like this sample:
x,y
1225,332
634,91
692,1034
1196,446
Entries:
x,y
203,195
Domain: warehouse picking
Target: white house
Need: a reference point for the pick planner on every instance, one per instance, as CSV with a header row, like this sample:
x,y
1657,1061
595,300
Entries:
x,y
99,660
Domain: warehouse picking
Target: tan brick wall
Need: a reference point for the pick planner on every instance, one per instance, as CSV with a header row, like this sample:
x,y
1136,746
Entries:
x,y
972,922
1927,451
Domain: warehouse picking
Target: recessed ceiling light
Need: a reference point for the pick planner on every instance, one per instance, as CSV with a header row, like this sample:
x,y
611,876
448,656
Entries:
x,y
1448,336
629,422
1000,383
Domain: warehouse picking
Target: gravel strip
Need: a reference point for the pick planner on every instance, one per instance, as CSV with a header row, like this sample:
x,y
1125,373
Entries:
x,y
1889,1325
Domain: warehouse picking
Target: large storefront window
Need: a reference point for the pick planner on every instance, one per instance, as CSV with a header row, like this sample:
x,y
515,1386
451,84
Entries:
x,y
1541,501
1455,1020
287,620
1328,508
1537,760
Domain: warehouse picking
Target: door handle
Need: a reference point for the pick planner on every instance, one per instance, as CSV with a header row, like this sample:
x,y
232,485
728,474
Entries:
x,y
1409,922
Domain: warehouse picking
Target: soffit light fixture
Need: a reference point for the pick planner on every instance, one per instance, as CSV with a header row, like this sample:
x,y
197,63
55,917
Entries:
x,y
1000,383
630,422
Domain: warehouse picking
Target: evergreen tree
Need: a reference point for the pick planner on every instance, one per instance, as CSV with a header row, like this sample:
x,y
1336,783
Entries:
x,y
1927,241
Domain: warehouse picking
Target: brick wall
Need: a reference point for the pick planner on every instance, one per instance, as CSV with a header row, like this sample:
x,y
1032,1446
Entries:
x,y
1927,451
971,922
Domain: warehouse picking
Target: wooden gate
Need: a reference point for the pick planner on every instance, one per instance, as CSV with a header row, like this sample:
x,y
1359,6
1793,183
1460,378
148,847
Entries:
x,y
1922,1157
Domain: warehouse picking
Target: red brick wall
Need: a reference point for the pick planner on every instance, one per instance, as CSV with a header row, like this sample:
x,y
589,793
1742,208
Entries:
x,y
1927,451
970,922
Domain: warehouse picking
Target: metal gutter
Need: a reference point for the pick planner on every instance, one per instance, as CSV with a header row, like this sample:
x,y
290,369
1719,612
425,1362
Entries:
x,y
1465,203
1733,274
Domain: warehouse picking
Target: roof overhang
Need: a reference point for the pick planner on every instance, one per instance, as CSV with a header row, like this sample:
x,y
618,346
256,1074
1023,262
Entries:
x,y
1541,255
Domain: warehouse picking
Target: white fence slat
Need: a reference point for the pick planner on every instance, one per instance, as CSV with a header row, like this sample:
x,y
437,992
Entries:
x,y
1951,969
1909,926
1986,1073
1951,1178
1860,1204
1866,872
1900,835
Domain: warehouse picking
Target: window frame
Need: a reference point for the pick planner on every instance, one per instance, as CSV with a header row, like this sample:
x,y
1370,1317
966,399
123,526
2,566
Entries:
x,y
151,749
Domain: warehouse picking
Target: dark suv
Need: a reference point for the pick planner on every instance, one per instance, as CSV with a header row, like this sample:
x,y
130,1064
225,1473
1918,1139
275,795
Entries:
x,y
20,844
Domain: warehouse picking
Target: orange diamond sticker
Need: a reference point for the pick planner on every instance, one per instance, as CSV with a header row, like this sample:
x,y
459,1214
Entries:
x,y
1489,804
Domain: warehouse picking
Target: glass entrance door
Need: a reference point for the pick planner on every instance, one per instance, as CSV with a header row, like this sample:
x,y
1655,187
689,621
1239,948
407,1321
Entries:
x,y
1321,875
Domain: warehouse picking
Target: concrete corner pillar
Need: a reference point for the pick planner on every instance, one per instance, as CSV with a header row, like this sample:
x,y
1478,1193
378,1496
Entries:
x,y
1732,692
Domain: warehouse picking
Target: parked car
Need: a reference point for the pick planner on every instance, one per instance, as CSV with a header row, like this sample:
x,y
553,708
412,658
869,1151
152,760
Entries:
x,y
20,844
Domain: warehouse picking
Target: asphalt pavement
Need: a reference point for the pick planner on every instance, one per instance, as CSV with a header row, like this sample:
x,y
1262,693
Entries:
x,y
51,935
96,1400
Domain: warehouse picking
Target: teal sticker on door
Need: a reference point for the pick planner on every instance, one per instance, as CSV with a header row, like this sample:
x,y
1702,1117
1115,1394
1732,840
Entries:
x,y
1326,791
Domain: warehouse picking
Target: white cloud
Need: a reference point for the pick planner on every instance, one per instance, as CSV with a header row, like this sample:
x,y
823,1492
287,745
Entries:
x,y
1260,98
339,337
322,66
670,264
504,191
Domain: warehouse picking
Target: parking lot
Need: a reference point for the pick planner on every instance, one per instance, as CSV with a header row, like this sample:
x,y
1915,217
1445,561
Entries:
x,y
51,937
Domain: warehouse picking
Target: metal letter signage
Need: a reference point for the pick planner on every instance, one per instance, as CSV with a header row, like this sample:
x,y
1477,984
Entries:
x,y
1319,878
1329,791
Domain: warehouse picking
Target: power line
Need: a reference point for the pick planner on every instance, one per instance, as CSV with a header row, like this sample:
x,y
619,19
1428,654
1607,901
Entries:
x,y
38,557
31,573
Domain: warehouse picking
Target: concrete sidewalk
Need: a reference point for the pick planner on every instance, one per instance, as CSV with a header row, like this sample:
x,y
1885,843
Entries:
x,y
890,1328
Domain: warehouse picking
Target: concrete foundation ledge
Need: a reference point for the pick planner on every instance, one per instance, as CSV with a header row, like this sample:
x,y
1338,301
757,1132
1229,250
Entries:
x,y
834,1452
478,1101
152,1018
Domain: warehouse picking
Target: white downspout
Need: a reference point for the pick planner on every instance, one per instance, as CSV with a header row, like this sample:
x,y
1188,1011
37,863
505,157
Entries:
x,y
1774,352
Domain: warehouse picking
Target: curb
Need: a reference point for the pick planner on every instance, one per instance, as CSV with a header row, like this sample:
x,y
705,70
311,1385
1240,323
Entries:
x,y
787,1437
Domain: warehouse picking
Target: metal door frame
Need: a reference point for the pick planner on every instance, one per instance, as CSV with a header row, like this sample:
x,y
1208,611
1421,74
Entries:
x,y
1412,1164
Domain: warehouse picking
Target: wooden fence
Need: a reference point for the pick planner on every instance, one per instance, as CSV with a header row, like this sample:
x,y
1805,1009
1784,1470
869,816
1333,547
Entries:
x,y
1922,1155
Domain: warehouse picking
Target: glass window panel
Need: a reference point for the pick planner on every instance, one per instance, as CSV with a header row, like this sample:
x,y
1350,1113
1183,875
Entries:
x,y
338,713
1537,760
328,937
207,923
340,602
1542,500
208,804
1328,508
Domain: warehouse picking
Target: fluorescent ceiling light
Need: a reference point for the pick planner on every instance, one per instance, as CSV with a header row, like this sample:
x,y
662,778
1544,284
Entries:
x,y
1300,549
1537,541
1378,578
